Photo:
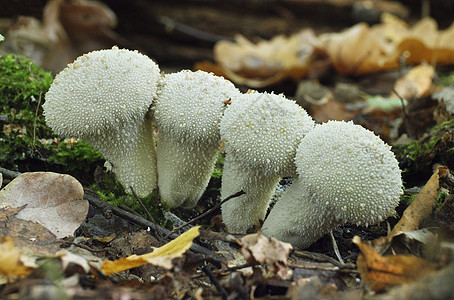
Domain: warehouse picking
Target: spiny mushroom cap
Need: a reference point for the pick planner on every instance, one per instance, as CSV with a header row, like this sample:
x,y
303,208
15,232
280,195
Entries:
x,y
99,91
189,105
351,171
262,132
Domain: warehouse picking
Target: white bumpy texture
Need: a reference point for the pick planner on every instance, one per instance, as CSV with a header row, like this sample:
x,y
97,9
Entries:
x,y
260,133
188,111
346,174
103,97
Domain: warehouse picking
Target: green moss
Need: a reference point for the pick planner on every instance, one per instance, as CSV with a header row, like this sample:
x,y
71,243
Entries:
x,y
110,190
26,142
429,146
217,172
441,197
23,83
22,89
75,154
407,199
446,79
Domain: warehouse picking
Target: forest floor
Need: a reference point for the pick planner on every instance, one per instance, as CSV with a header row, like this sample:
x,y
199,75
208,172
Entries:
x,y
340,60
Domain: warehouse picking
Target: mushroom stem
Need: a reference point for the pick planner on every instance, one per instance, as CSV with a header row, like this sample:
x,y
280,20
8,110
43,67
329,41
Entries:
x,y
347,174
187,111
297,220
246,211
137,166
184,170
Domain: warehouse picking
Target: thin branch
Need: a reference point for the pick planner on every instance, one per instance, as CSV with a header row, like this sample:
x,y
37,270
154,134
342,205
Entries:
x,y
158,232
319,257
239,267
336,249
404,109
173,25
208,211
206,269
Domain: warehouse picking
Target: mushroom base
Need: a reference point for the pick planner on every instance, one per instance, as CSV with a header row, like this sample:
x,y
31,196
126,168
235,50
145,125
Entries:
x,y
244,212
184,170
297,220
134,159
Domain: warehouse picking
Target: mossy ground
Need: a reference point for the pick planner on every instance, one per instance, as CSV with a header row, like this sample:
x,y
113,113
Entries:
x,y
417,157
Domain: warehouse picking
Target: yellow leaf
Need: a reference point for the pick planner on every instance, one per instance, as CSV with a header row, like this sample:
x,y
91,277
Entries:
x,y
11,259
162,256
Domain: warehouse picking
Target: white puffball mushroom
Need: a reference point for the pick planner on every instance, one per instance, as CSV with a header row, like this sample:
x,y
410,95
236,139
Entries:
x,y
104,98
347,174
187,111
260,133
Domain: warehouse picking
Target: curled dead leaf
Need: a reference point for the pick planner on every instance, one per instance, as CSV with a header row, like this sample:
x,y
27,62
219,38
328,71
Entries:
x,y
360,50
257,248
380,272
267,62
422,205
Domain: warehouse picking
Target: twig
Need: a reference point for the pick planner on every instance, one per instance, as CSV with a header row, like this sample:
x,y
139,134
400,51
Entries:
x,y
404,109
319,257
206,269
173,25
336,249
239,267
158,232
95,201
208,211
349,270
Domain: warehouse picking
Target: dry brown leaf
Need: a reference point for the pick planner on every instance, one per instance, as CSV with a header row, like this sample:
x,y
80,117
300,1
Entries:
x,y
7,212
360,49
162,256
12,261
331,110
380,272
30,237
53,200
416,83
422,205
425,43
263,250
268,62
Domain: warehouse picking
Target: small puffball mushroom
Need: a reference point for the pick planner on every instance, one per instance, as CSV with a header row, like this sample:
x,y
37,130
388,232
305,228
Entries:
x,y
187,111
260,132
347,174
104,97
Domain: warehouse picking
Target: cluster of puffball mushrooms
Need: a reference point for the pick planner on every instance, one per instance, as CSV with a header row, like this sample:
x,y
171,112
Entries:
x,y
165,131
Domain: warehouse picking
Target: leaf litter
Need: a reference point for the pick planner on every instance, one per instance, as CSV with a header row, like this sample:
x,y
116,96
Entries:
x,y
399,260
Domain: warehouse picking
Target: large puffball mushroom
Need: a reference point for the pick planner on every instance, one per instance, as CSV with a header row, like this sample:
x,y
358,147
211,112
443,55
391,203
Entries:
x,y
260,133
187,111
347,174
104,97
